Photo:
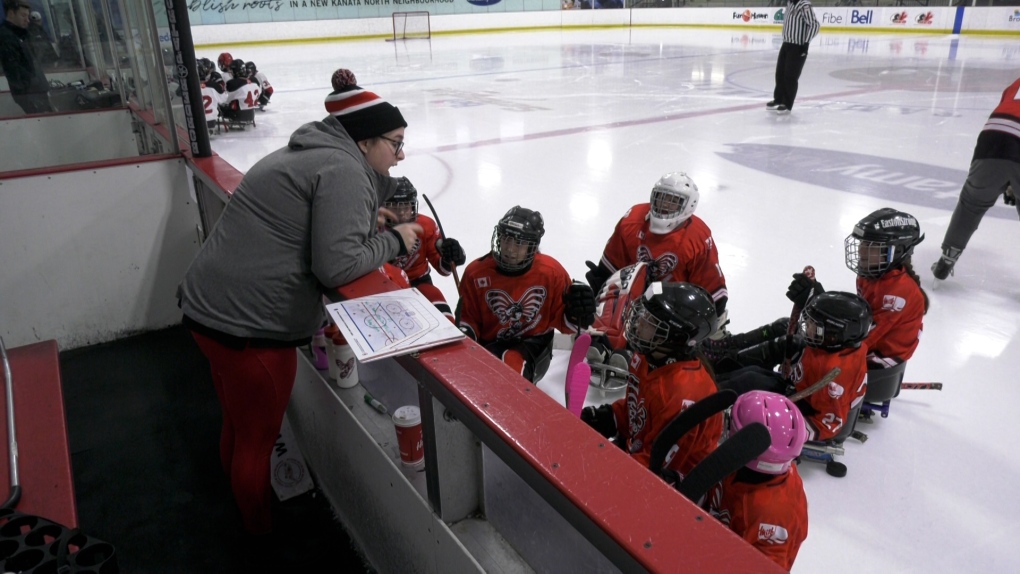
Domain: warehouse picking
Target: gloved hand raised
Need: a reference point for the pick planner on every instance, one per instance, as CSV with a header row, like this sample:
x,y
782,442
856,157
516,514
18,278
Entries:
x,y
802,289
450,251
579,301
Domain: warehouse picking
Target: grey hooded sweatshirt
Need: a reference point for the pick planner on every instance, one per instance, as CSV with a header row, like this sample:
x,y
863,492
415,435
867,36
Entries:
x,y
302,219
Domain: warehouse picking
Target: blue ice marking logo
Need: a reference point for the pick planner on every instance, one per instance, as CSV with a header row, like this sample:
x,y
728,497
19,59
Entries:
x,y
883,177
483,2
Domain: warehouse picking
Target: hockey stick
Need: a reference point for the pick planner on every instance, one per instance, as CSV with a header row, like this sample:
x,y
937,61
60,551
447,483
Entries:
x,y
741,448
12,445
442,235
921,386
809,272
578,375
688,418
828,378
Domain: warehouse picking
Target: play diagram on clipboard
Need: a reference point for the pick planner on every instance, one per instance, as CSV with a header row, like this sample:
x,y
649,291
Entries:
x,y
393,323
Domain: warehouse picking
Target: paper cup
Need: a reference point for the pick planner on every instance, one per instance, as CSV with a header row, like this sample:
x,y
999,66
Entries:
x,y
407,421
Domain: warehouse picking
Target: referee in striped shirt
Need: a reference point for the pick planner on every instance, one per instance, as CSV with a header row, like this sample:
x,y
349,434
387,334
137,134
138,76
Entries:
x,y
799,27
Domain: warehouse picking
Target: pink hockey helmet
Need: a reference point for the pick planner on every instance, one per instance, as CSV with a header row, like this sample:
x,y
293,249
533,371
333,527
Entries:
x,y
784,421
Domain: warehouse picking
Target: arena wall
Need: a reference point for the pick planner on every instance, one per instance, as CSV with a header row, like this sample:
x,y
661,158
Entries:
x,y
933,20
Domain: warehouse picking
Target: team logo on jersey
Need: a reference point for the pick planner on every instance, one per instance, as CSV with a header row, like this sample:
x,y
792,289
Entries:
x,y
893,303
772,533
482,282
660,266
406,261
518,316
835,390
637,416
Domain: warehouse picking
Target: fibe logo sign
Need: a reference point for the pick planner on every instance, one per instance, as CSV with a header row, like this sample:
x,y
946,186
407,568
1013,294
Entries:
x,y
865,17
831,18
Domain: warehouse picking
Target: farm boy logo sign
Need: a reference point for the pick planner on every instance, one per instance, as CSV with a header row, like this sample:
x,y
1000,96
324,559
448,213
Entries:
x,y
746,16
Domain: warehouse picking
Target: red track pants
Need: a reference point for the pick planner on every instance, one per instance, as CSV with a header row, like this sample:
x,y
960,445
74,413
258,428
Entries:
x,y
253,386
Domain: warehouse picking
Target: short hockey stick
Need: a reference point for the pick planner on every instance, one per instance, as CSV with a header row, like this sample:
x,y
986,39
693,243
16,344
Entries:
x,y
921,386
741,448
442,234
828,378
688,418
578,375
809,272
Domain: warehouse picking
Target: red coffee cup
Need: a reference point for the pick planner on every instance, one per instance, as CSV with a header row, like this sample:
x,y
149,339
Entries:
x,y
407,421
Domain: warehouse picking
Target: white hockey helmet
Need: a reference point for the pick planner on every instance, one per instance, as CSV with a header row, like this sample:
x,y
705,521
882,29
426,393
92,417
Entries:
x,y
674,198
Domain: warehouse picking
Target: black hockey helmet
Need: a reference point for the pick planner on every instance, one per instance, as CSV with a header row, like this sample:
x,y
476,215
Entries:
x,y
523,227
404,201
670,319
251,68
881,241
237,69
835,320
205,67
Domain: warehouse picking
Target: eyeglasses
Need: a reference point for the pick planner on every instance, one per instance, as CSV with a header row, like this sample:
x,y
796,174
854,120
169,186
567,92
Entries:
x,y
397,144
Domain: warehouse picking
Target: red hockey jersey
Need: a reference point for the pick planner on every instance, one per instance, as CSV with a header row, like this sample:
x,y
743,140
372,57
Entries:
x,y
897,308
686,254
771,516
656,397
499,307
834,402
416,262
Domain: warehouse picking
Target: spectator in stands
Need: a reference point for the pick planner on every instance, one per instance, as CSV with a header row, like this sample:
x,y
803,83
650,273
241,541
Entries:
x,y
42,47
26,79
304,220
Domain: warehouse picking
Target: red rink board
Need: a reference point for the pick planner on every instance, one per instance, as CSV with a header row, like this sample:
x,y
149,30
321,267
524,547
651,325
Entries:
x,y
44,463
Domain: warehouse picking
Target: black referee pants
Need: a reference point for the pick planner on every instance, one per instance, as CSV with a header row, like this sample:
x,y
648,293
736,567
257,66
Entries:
x,y
788,68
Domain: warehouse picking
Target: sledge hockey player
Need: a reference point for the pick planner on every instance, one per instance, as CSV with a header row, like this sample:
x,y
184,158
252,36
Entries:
x,y
664,328
878,251
212,91
512,298
224,60
259,78
831,330
675,244
666,235
764,502
430,248
242,93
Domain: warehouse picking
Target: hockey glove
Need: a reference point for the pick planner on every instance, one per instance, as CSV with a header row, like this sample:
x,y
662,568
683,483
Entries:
x,y
597,275
579,301
802,289
451,253
600,418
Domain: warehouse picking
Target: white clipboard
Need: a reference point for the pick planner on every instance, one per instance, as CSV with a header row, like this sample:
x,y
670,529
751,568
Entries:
x,y
392,323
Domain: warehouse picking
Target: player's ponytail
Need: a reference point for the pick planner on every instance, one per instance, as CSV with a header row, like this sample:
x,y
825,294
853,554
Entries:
x,y
909,268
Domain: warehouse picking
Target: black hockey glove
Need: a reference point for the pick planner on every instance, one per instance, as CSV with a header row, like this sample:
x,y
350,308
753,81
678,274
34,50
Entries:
x,y
600,418
579,301
450,251
802,289
1008,197
597,275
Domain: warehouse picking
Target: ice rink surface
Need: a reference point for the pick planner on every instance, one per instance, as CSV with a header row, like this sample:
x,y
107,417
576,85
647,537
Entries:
x,y
580,124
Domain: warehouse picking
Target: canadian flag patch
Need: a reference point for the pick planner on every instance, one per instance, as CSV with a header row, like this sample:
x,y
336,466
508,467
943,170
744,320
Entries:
x,y
772,534
893,303
482,282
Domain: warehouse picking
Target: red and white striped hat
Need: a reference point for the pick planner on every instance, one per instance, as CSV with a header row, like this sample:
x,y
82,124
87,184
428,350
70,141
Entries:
x,y
362,113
